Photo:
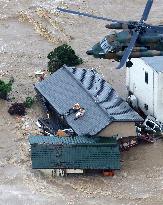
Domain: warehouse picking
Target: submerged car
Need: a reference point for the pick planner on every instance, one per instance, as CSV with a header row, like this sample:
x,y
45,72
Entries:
x,y
152,124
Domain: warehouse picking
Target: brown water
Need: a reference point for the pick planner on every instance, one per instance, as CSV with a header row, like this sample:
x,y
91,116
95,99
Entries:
x,y
24,46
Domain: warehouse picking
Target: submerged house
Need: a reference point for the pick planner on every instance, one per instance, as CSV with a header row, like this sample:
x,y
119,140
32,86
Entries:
x,y
106,114
79,152
145,81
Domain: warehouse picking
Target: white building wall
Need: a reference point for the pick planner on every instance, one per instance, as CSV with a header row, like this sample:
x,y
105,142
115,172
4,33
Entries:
x,y
144,92
159,97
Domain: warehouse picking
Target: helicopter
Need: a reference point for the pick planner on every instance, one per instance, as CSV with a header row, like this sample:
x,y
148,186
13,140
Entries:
x,y
135,40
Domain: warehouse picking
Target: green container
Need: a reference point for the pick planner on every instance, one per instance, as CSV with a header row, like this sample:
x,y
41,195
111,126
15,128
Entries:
x,y
80,152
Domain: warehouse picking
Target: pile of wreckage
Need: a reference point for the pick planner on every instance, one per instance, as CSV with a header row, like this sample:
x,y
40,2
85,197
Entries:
x,y
84,116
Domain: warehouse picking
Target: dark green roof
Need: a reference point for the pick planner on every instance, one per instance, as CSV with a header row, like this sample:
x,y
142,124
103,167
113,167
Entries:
x,y
79,152
71,140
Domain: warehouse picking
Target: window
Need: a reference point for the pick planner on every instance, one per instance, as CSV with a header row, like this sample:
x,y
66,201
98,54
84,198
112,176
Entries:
x,y
146,77
150,124
157,129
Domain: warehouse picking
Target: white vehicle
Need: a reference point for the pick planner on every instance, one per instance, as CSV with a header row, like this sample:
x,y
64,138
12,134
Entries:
x,y
152,124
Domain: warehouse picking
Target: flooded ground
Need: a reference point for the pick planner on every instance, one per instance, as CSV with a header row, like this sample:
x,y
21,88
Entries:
x,y
29,30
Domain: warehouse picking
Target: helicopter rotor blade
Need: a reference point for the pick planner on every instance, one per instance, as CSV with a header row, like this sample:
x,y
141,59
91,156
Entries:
x,y
146,10
128,50
135,35
88,15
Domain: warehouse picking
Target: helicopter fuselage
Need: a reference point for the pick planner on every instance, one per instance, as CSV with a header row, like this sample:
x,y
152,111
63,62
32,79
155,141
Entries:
x,y
148,44
137,38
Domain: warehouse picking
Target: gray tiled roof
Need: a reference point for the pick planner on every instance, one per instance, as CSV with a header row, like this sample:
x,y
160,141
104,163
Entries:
x,y
155,62
68,86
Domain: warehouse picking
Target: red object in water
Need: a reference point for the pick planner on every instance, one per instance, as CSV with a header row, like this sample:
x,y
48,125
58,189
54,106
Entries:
x,y
108,173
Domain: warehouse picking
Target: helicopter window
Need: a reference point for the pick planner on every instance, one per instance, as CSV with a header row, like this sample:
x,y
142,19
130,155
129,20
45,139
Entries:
x,y
146,77
104,45
103,40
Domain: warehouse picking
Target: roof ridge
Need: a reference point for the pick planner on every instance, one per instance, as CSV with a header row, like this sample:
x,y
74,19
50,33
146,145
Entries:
x,y
72,75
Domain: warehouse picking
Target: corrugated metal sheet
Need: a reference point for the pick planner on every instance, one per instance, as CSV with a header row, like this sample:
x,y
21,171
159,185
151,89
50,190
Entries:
x,y
71,140
89,154
68,86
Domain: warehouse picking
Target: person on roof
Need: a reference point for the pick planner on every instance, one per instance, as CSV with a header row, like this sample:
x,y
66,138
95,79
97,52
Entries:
x,y
76,107
80,113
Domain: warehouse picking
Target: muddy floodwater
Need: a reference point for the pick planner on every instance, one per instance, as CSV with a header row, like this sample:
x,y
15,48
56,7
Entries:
x,y
29,30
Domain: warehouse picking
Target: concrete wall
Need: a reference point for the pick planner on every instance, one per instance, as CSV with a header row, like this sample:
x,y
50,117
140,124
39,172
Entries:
x,y
145,93
122,129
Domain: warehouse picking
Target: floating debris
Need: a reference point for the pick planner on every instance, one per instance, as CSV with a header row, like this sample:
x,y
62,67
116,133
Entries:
x,y
17,109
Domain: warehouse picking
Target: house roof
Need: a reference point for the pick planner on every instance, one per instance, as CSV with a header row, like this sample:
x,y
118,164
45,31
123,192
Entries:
x,y
71,140
70,85
155,62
